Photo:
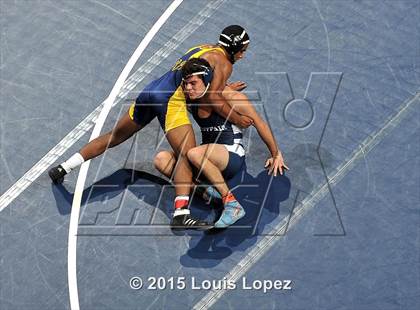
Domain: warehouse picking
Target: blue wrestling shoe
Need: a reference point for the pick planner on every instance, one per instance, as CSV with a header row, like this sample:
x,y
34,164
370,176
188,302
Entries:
x,y
231,214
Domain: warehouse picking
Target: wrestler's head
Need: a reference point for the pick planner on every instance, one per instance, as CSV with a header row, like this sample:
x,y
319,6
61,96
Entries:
x,y
235,40
196,78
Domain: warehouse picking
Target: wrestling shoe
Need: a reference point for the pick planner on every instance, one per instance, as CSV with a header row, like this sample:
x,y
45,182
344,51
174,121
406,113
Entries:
x,y
57,174
231,214
185,221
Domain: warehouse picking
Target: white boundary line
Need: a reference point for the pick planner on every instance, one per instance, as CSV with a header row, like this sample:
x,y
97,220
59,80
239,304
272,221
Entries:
x,y
77,198
154,61
265,244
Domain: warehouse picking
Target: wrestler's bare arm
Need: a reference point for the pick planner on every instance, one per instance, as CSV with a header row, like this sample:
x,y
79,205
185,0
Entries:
x,y
242,105
222,69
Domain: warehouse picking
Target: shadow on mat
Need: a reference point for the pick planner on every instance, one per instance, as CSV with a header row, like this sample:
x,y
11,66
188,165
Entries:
x,y
206,249
261,197
210,249
106,188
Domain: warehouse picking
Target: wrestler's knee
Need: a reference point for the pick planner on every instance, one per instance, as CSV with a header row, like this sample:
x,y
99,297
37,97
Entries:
x,y
195,156
162,160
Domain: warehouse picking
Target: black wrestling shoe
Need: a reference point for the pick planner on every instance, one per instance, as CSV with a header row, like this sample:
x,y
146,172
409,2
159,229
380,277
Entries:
x,y
185,221
57,174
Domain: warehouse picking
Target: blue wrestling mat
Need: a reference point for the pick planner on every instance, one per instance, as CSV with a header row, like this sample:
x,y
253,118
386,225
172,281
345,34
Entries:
x,y
339,84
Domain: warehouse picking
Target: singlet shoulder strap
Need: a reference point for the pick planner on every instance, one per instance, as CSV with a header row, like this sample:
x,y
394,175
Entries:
x,y
204,49
193,48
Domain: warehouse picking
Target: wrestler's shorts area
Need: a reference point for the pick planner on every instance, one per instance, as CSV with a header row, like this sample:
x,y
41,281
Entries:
x,y
170,115
234,165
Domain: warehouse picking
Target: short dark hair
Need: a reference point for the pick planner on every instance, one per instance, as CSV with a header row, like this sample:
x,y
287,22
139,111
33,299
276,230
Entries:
x,y
194,65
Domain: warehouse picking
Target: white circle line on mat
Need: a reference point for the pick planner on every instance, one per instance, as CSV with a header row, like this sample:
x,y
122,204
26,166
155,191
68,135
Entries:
x,y
81,179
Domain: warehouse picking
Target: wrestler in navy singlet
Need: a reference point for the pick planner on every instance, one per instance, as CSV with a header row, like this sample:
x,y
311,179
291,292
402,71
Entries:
x,y
216,129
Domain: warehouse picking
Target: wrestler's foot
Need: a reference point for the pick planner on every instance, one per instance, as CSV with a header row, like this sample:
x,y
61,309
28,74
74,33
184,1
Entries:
x,y
185,221
231,214
57,174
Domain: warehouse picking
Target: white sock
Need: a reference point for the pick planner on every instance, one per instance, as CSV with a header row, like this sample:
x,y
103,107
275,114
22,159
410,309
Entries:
x,y
73,162
181,210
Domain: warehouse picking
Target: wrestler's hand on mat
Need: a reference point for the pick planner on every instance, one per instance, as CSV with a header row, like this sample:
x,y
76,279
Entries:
x,y
275,164
238,85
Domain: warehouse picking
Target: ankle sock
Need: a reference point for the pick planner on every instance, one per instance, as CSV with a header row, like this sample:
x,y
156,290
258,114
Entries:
x,y
73,162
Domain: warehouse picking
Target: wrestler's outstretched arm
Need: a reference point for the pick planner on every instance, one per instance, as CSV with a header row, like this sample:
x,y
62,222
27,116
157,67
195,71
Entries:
x,y
242,105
